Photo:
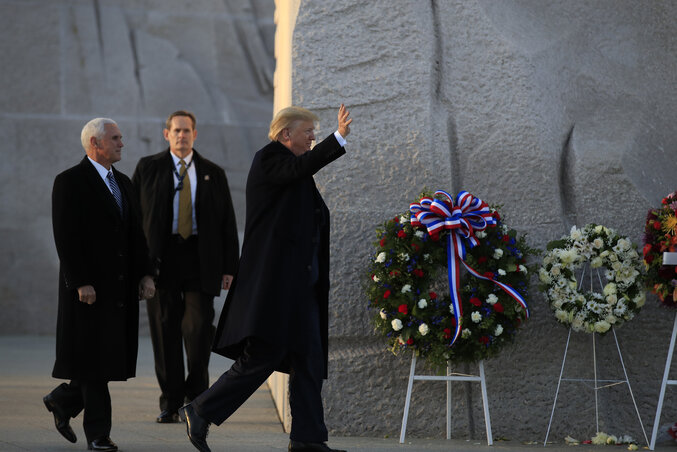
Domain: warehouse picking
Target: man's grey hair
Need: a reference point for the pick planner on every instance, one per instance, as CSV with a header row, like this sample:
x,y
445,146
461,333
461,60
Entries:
x,y
94,128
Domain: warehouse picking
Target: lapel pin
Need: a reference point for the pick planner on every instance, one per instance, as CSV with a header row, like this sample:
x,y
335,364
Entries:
x,y
206,176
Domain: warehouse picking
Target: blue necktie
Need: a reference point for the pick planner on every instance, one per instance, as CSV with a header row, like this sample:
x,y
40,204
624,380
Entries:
x,y
115,190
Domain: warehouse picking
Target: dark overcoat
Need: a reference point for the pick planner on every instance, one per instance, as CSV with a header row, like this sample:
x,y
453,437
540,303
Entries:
x,y
97,246
218,244
273,279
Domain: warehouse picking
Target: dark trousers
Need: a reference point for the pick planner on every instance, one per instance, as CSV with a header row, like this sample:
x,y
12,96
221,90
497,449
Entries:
x,y
180,315
94,398
257,362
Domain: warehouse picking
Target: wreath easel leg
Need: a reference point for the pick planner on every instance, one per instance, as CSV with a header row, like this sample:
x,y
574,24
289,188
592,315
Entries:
x,y
448,378
665,382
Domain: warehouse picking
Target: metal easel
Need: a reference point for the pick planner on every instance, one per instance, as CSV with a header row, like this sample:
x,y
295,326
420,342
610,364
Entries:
x,y
595,380
448,378
668,259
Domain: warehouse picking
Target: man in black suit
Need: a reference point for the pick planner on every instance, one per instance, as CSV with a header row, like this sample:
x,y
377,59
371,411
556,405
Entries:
x,y
275,316
189,223
103,259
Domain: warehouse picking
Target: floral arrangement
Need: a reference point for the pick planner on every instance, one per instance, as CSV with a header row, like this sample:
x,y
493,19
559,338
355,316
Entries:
x,y
409,291
612,260
603,439
660,235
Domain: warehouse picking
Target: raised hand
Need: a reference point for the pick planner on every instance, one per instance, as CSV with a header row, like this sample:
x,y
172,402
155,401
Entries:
x,y
343,121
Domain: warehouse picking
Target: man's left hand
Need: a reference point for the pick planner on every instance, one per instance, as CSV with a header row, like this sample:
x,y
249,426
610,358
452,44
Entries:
x,y
227,281
146,288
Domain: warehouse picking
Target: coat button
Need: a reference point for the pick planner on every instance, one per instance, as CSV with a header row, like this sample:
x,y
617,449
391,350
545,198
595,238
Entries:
x,y
310,267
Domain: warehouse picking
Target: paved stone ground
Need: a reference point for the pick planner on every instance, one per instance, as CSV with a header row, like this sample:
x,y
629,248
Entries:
x,y
25,424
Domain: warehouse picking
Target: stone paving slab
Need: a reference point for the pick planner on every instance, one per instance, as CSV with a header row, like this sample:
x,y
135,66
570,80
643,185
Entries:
x,y
25,424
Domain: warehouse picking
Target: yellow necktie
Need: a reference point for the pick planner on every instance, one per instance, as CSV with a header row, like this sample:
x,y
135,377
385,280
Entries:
x,y
185,226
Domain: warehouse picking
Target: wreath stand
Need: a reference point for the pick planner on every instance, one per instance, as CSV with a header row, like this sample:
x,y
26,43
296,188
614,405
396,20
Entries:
x,y
668,259
595,380
596,387
448,378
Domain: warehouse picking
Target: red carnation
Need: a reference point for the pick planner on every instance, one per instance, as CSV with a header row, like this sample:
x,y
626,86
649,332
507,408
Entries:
x,y
415,247
657,225
476,301
410,341
394,273
447,333
418,272
396,219
506,238
649,259
647,249
498,307
403,309
664,201
432,295
401,234
489,275
386,294
484,340
482,259
382,242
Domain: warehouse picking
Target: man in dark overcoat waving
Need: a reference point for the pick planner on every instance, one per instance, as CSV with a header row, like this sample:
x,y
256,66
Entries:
x,y
103,259
275,316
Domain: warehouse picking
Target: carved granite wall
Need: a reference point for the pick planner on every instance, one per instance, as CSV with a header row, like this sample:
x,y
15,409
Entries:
x,y
67,61
562,111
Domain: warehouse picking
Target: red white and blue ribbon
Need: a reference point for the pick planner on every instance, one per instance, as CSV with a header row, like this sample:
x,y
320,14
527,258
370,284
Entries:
x,y
462,217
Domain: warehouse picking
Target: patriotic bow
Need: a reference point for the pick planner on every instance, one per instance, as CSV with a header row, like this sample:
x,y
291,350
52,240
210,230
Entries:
x,y
462,217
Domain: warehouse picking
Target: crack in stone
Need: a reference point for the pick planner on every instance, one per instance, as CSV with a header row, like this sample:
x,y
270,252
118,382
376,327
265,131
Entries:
x,y
566,181
99,32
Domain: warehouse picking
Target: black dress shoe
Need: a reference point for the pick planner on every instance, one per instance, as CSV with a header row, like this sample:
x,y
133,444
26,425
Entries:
x,y
61,419
298,446
196,427
168,417
104,444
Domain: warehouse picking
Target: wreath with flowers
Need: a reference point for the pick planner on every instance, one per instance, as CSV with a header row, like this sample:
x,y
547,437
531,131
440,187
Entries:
x,y
660,235
409,291
609,262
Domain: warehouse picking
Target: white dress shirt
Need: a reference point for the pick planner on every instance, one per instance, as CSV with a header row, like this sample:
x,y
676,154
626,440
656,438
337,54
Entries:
x,y
103,172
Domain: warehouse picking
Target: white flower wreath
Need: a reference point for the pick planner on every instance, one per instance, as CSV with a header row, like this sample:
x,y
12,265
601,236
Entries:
x,y
608,258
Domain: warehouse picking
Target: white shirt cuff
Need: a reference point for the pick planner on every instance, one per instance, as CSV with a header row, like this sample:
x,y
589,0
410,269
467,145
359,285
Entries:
x,y
342,141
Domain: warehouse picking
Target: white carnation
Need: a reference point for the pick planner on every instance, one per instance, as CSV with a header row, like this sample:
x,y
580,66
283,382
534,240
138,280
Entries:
x,y
501,272
396,324
465,334
419,234
498,330
381,257
422,303
406,288
492,299
384,315
498,253
476,317
423,329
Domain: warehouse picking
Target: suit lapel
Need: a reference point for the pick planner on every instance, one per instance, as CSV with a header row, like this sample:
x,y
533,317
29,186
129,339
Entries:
x,y
199,177
99,187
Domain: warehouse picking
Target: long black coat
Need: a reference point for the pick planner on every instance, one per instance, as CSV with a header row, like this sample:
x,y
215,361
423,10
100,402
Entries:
x,y
272,281
98,247
218,245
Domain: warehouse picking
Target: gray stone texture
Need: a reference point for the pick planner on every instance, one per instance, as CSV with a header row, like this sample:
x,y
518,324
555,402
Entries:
x,y
561,111
68,61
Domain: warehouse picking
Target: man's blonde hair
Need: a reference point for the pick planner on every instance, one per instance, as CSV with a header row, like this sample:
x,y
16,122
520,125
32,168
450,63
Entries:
x,y
286,117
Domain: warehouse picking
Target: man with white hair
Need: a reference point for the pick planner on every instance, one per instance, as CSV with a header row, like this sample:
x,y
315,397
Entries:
x,y
103,259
